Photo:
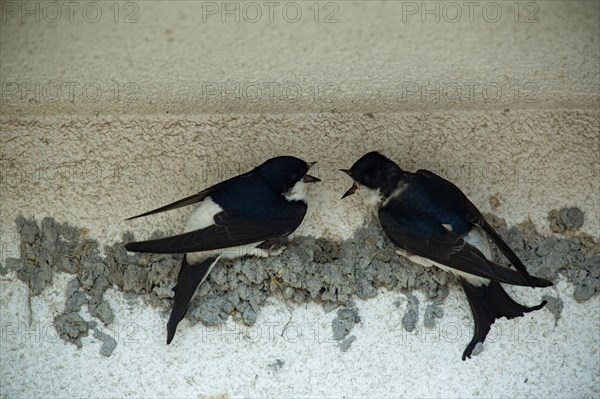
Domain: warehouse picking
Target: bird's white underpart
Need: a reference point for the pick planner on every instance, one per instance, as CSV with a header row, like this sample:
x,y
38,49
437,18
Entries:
x,y
204,216
476,237
447,226
479,240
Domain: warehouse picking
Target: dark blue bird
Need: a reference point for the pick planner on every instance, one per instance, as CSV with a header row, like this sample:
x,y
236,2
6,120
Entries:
x,y
233,219
434,224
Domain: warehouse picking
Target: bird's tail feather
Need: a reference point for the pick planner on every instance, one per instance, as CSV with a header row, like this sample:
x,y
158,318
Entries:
x,y
489,303
188,280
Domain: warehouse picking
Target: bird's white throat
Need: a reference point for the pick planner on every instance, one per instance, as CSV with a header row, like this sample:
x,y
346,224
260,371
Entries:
x,y
372,197
297,193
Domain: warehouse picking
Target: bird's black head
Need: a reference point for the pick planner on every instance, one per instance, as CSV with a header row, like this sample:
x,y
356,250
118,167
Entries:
x,y
284,172
375,172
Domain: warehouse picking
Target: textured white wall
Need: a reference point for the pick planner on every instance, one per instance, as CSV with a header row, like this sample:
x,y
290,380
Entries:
x,y
98,172
186,100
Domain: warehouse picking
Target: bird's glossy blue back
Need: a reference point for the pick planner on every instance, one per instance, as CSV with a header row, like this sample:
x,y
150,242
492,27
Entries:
x,y
426,201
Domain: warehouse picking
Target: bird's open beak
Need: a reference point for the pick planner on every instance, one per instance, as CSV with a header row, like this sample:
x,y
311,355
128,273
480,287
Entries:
x,y
310,179
354,187
351,191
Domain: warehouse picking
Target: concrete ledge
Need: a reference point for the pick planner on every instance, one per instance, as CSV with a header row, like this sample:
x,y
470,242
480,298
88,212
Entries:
x,y
359,56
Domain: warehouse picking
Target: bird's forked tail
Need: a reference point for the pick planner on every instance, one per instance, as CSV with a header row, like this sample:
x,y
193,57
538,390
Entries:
x,y
488,303
188,280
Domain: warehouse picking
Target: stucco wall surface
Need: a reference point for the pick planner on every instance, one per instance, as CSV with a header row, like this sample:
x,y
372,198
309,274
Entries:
x,y
517,164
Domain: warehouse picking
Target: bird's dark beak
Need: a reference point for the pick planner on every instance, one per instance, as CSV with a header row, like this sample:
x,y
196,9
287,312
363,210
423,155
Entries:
x,y
310,179
351,191
346,171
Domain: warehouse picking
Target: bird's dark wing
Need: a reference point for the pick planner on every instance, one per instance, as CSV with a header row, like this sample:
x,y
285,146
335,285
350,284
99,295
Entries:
x,y
470,213
504,248
192,199
229,230
453,197
427,238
